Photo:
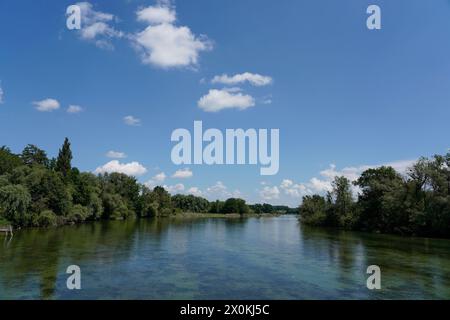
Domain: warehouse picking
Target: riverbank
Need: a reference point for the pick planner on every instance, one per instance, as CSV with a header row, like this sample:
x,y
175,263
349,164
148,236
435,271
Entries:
x,y
188,215
225,215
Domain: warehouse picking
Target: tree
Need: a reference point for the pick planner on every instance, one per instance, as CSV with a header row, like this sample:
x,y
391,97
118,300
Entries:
x,y
313,210
32,155
216,206
235,205
343,204
8,160
14,201
379,201
63,162
147,203
190,203
162,197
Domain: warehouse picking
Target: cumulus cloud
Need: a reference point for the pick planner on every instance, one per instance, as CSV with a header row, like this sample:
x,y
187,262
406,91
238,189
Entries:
x,y
183,174
212,193
220,191
1,95
157,14
164,44
74,109
293,189
178,188
156,180
116,154
323,183
195,191
270,193
160,177
97,26
216,100
132,121
131,169
252,78
46,105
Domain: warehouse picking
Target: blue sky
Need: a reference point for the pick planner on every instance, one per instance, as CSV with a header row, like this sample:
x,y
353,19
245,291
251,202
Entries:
x,y
344,97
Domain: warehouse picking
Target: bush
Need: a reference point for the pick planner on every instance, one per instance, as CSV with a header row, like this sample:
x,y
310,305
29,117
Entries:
x,y
313,210
78,213
47,219
165,212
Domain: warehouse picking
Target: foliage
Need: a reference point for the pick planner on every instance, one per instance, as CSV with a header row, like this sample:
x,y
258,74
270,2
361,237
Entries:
x,y
8,160
14,202
415,204
314,210
32,155
190,203
234,205
46,219
63,162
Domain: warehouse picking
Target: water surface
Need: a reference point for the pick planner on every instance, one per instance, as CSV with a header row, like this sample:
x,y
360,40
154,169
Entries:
x,y
214,258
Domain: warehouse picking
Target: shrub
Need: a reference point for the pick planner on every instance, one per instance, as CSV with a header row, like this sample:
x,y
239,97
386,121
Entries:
x,y
46,219
78,213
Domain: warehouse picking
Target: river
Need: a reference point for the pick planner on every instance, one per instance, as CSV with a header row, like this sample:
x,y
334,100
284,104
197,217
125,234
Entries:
x,y
219,258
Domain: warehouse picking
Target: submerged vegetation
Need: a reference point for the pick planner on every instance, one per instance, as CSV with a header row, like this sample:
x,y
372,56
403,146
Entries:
x,y
417,203
36,191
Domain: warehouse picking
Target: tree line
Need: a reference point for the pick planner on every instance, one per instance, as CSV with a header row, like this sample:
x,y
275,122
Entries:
x,y
36,191
417,203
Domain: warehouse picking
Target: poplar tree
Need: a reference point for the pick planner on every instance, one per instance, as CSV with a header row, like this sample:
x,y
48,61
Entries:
x,y
63,162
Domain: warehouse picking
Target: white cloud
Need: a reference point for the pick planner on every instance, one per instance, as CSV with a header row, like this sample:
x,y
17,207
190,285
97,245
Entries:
x,y
96,26
269,193
293,189
212,193
217,100
401,166
132,121
131,169
183,174
320,186
157,15
165,45
1,95
74,109
178,188
46,105
195,191
116,154
252,78
156,180
221,192
323,183
160,177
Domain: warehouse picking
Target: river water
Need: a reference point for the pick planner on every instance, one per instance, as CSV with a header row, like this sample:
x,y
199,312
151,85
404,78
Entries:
x,y
216,258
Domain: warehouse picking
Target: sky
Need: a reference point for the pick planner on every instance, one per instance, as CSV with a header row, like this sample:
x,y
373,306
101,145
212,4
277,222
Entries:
x,y
344,98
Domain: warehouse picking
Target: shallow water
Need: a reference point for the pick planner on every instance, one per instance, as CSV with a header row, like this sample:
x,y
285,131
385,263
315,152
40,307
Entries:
x,y
214,258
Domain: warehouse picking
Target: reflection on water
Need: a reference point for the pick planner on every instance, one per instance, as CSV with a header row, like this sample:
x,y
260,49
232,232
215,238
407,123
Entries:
x,y
212,258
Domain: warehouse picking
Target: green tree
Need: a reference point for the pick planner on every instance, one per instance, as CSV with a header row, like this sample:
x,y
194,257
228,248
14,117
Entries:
x,y
14,202
235,205
8,160
32,155
380,199
313,210
343,205
64,160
